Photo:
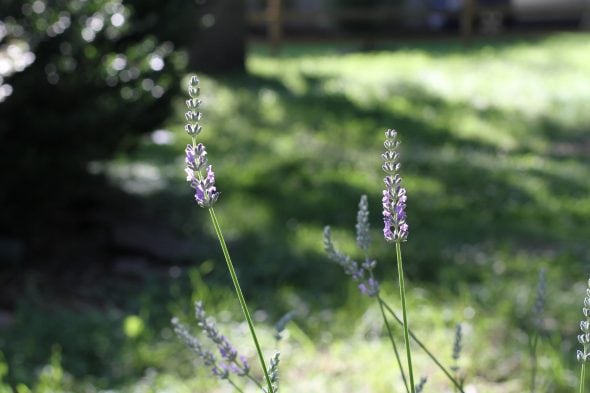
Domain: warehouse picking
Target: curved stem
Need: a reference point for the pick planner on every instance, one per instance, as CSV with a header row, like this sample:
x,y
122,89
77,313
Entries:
x,y
421,345
399,361
240,295
402,292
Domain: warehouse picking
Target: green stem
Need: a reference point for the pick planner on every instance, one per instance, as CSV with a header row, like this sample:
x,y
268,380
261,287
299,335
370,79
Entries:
x,y
232,383
533,344
234,279
399,361
582,376
421,345
402,292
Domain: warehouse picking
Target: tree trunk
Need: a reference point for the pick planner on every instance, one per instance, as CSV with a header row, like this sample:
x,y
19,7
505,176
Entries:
x,y
219,39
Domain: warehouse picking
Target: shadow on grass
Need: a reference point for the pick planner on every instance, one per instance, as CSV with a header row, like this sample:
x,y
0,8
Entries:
x,y
306,167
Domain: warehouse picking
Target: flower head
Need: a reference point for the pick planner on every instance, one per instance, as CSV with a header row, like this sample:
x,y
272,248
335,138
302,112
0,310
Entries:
x,y
206,356
196,157
363,237
233,362
395,226
206,193
584,338
363,274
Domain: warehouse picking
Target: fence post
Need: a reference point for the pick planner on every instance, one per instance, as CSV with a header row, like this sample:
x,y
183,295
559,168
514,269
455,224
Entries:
x,y
275,28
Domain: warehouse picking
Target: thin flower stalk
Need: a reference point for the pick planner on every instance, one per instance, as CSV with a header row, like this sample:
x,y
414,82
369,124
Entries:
x,y
206,195
368,286
363,240
350,267
395,227
538,310
402,292
426,350
393,344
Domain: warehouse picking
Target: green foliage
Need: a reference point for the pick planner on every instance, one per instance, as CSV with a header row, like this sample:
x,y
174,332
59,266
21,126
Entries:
x,y
494,159
4,387
93,75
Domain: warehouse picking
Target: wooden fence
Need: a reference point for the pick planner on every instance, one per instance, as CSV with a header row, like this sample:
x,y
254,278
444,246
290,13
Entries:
x,y
275,16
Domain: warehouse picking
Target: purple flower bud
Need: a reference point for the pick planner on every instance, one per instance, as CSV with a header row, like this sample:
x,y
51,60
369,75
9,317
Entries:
x,y
369,287
221,371
196,157
206,193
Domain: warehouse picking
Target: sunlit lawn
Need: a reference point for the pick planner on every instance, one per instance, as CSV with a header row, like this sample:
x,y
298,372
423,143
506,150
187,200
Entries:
x,y
496,160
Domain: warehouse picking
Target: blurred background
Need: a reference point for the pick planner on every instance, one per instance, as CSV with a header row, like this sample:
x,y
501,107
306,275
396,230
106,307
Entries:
x,y
101,242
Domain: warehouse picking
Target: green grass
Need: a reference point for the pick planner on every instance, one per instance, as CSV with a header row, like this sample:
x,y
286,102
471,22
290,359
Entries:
x,y
495,152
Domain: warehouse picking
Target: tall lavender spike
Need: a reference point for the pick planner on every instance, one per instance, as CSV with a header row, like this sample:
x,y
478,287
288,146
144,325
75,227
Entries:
x,y
235,363
363,236
274,372
350,266
395,227
206,193
207,356
367,285
584,338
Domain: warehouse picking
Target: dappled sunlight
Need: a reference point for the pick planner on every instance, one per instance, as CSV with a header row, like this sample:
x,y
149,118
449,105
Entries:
x,y
495,158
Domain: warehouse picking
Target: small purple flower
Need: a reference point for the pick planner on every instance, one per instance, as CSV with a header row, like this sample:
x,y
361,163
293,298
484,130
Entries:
x,y
196,157
205,191
220,371
369,287
395,226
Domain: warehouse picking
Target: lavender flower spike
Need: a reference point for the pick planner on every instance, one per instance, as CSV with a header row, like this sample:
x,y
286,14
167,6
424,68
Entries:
x,y
219,370
395,227
363,236
234,363
195,154
584,338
